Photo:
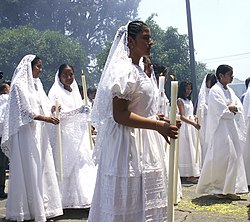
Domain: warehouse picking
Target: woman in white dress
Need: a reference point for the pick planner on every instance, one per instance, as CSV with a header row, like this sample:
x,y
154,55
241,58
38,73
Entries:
x,y
79,171
246,147
201,113
131,180
223,171
189,166
33,191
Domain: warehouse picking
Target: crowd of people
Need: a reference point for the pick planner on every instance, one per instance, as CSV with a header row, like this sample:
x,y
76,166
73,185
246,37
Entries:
x,y
46,142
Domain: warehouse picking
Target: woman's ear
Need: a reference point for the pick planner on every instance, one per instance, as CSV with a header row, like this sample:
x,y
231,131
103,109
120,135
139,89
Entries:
x,y
131,42
221,75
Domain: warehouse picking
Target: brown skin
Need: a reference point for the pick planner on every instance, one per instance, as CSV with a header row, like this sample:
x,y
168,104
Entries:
x,y
182,111
67,78
36,71
140,46
225,80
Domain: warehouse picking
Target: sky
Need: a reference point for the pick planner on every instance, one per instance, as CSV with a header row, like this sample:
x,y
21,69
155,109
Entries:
x,y
221,29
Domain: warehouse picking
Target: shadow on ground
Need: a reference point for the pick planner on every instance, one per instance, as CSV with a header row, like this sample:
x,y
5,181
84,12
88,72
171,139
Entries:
x,y
73,214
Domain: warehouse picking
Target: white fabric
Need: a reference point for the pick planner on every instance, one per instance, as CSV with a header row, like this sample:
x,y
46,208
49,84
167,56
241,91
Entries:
x,y
3,106
187,145
202,117
33,191
69,100
132,178
79,171
246,149
223,171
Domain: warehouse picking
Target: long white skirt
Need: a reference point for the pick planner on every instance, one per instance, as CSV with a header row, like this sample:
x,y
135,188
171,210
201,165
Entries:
x,y
223,171
131,183
33,191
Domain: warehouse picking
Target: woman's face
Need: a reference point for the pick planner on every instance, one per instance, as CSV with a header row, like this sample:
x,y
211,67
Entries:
x,y
67,76
227,77
37,69
188,90
142,43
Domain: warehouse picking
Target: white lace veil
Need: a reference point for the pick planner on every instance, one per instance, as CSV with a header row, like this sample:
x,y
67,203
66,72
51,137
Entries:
x,y
202,97
22,104
57,88
246,104
119,51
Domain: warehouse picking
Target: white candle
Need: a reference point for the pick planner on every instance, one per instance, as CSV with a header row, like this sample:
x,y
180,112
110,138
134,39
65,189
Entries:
x,y
176,173
161,96
197,137
161,83
59,143
174,90
84,86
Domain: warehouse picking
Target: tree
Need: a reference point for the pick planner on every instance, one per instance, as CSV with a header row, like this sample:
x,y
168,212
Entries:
x,y
170,49
90,22
54,48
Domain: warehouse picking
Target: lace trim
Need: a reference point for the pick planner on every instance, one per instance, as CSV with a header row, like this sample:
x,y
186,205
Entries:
x,y
82,109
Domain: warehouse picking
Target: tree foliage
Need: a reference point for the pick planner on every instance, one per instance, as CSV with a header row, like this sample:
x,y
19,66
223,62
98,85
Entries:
x,y
91,22
170,49
54,48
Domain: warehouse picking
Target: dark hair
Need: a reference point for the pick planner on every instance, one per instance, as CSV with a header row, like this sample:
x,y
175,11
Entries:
x,y
212,78
222,69
91,89
35,61
3,87
247,81
136,27
62,67
182,90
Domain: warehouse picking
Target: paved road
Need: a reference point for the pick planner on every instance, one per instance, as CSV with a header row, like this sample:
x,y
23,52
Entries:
x,y
192,208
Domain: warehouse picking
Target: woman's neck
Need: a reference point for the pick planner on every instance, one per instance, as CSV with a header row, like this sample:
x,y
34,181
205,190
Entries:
x,y
68,88
223,84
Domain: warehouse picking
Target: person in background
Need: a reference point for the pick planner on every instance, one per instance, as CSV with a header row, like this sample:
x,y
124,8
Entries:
x,y
246,146
201,113
91,92
4,95
131,180
223,173
149,69
79,171
247,81
33,192
189,167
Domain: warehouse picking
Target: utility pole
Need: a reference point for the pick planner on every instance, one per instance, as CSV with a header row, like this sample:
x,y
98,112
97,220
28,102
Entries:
x,y
191,53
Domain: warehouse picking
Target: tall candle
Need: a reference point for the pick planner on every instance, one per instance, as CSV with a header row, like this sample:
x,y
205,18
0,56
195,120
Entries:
x,y
161,83
161,96
198,137
59,143
174,90
84,86
176,172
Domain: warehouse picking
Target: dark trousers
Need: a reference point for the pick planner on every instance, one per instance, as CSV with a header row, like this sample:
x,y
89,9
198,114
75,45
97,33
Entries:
x,y
3,166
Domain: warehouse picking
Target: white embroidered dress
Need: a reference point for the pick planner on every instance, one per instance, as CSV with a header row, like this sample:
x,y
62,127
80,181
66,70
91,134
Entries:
x,y
33,191
132,179
79,171
223,171
187,146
